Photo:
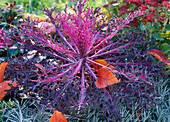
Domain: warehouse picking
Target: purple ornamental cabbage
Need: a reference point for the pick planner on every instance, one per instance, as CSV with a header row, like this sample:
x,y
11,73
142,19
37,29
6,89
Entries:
x,y
75,45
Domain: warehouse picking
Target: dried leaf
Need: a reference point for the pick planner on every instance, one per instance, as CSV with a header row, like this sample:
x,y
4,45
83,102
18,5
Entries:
x,y
159,55
2,70
46,27
34,17
106,77
58,117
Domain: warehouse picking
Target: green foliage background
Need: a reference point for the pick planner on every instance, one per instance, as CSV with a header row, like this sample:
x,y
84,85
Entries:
x,y
34,6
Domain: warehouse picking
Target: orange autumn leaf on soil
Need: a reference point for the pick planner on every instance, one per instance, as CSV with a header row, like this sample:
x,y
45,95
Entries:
x,y
159,55
2,70
35,17
4,85
105,76
58,117
103,62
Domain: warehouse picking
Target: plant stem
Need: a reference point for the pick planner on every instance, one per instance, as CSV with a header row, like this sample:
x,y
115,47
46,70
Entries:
x,y
83,89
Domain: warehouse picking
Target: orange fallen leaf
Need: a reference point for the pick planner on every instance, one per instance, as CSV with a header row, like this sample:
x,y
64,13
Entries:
x,y
103,62
4,85
100,61
159,55
58,117
34,17
2,70
37,18
106,77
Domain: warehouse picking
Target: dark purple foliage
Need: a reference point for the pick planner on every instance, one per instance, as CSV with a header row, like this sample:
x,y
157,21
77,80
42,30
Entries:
x,y
4,39
65,79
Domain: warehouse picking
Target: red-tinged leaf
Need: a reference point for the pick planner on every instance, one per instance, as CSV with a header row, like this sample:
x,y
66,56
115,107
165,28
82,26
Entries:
x,y
58,117
105,5
2,70
106,77
112,2
159,55
5,86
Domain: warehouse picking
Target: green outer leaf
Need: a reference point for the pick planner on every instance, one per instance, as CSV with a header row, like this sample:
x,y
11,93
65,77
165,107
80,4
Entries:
x,y
167,41
150,28
167,27
166,49
157,36
142,27
13,52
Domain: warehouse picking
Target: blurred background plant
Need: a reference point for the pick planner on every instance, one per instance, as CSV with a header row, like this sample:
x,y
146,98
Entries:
x,y
8,47
10,14
155,23
34,6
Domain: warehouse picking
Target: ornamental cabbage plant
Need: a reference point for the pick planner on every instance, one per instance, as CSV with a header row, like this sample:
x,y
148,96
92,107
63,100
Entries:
x,y
86,65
